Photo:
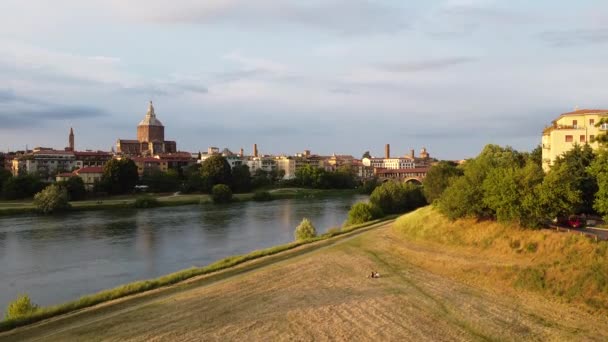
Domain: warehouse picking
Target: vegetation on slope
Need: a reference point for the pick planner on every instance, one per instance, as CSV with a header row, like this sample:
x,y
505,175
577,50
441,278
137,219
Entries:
x,y
568,266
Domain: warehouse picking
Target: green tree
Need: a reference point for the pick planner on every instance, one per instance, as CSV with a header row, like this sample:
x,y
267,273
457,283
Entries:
x,y
241,179
119,176
369,185
22,186
366,155
4,175
159,181
216,170
438,178
395,198
362,212
599,170
75,187
52,199
558,194
221,193
305,230
464,197
576,162
21,307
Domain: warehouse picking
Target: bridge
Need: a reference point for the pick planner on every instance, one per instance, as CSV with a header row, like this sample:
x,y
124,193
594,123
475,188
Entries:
x,y
410,175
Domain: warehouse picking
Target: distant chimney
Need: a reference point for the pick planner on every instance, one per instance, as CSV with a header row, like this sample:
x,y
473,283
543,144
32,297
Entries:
x,y
71,140
387,151
255,150
412,153
242,152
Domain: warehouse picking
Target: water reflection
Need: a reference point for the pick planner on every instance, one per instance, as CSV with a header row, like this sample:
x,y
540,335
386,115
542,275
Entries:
x,y
59,258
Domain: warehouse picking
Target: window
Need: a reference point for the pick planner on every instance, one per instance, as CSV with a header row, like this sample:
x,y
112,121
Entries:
x,y
582,138
569,138
591,121
574,123
591,138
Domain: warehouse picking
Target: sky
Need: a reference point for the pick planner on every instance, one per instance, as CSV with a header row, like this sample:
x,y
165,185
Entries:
x,y
332,76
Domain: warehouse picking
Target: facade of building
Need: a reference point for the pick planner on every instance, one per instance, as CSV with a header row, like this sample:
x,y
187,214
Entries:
x,y
405,175
150,138
577,127
261,163
148,164
44,162
91,158
89,175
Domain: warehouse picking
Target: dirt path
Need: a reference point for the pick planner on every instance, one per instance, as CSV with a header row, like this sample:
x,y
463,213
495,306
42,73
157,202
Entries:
x,y
326,295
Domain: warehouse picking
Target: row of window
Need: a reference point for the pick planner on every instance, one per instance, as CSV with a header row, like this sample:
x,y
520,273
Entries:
x,y
570,138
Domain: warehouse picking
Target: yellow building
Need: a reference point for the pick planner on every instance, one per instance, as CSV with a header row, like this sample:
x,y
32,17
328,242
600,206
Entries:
x,y
572,128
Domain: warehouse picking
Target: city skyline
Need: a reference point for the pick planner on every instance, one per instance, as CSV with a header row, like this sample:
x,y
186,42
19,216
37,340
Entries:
x,y
333,76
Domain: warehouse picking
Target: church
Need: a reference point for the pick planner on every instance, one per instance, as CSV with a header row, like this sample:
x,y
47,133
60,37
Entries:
x,y
150,138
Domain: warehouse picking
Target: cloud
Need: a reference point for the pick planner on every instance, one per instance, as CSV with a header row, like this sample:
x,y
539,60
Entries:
x,y
427,65
18,111
569,38
338,16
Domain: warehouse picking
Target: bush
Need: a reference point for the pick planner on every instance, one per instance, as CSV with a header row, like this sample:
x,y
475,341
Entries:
x,y
262,196
145,201
305,230
362,212
52,199
396,198
20,307
221,193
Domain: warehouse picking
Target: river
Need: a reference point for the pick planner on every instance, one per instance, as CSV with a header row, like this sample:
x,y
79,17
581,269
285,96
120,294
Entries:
x,y
60,258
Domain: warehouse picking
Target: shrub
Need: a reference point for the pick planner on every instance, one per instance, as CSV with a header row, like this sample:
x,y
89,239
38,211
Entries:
x,y
20,307
221,193
305,230
395,198
363,212
262,196
52,199
145,201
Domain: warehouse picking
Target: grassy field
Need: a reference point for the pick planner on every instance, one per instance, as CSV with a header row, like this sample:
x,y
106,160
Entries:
x,y
432,287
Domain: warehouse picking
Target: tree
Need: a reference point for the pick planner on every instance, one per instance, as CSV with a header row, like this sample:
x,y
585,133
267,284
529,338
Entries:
x,y
52,199
362,212
305,230
395,198
20,307
216,170
75,187
599,169
369,185
4,175
221,193
22,186
438,178
576,163
159,181
119,176
241,179
366,155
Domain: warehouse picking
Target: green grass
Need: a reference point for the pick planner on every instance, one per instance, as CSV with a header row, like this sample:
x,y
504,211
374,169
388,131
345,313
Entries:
x,y
169,279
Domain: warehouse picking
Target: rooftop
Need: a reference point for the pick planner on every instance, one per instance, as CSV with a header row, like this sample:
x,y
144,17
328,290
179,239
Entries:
x,y
89,169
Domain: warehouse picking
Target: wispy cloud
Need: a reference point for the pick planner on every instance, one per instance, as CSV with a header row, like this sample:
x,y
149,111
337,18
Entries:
x,y
428,65
567,38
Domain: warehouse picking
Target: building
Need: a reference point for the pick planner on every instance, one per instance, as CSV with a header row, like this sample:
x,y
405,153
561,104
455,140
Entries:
x,y
577,127
405,162
148,164
91,158
415,175
44,162
267,164
150,138
89,175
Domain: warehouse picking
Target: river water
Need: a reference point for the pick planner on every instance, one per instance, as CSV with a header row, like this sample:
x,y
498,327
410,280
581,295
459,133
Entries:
x,y
60,258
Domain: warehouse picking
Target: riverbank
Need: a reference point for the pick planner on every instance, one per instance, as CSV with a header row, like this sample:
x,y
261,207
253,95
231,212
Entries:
x,y
177,277
431,287
8,208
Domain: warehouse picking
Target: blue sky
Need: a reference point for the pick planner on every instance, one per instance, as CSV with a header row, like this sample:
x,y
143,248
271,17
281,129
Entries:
x,y
340,76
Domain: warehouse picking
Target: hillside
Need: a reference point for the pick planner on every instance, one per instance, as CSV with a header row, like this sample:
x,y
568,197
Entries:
x,y
439,281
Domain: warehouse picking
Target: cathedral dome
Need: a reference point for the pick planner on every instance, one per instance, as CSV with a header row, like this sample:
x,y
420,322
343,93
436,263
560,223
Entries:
x,y
150,119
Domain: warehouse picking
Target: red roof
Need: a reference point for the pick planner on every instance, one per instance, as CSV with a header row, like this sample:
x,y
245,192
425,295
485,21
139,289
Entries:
x,y
89,169
65,175
146,160
53,152
92,153
586,111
